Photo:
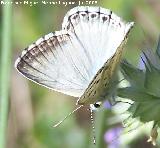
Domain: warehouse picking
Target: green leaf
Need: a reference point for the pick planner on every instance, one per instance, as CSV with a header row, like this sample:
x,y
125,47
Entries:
x,y
152,60
152,81
133,75
136,95
145,87
146,111
132,109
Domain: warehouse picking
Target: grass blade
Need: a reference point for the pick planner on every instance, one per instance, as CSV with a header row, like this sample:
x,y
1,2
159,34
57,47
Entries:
x,y
5,70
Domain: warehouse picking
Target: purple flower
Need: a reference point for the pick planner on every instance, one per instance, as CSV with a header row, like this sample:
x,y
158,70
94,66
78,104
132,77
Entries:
x,y
149,59
107,105
141,64
111,137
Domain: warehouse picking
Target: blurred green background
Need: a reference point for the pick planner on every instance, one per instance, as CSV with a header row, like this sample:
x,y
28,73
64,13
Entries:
x,y
33,109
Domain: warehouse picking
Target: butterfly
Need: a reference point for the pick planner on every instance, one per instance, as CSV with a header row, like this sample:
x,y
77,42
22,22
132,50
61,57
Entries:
x,y
81,59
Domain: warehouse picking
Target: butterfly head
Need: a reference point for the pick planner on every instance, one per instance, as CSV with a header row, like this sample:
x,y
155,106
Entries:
x,y
95,106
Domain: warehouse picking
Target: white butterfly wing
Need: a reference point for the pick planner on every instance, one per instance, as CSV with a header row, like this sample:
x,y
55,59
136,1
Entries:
x,y
67,60
49,62
99,30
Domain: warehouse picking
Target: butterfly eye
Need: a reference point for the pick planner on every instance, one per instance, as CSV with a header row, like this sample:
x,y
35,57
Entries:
x,y
97,104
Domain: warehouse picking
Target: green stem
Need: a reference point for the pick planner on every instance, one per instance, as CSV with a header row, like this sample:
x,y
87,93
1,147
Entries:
x,y
101,127
5,70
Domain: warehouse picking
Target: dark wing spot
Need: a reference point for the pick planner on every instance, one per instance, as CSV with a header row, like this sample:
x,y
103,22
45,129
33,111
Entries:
x,y
97,81
104,18
93,15
83,14
75,16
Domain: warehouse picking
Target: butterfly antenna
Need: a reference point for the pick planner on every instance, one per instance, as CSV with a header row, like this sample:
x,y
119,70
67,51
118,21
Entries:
x,y
67,116
93,128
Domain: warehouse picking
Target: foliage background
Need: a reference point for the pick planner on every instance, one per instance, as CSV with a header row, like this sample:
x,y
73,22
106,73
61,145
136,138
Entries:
x,y
34,109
